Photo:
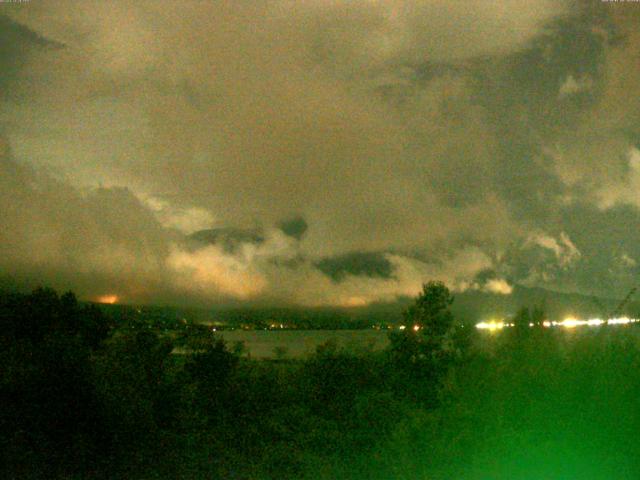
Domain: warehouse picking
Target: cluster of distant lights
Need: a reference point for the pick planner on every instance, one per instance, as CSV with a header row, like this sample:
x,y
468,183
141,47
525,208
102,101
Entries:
x,y
492,325
415,328
566,323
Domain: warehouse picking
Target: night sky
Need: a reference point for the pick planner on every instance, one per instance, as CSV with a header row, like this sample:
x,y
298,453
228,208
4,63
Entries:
x,y
318,152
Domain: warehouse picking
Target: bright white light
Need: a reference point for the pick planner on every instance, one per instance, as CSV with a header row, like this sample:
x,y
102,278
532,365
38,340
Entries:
x,y
402,327
416,328
619,321
492,325
569,322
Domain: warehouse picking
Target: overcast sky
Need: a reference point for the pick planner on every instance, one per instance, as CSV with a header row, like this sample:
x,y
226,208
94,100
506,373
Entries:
x,y
319,152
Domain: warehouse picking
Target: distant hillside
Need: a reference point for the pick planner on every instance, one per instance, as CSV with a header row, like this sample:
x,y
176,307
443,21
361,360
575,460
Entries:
x,y
470,307
475,305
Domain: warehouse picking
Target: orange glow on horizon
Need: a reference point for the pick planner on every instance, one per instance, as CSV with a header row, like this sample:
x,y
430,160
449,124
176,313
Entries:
x,y
355,302
110,299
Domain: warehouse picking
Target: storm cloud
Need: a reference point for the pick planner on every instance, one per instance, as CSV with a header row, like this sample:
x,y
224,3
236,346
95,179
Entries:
x,y
319,152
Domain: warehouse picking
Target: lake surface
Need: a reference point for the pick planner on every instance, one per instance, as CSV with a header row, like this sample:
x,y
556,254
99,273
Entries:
x,y
298,343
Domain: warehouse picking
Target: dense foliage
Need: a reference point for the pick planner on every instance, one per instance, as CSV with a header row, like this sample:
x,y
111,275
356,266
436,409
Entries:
x,y
80,399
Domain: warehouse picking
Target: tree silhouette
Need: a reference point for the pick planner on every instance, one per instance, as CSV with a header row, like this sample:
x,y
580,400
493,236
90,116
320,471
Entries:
x,y
49,413
522,319
425,349
430,311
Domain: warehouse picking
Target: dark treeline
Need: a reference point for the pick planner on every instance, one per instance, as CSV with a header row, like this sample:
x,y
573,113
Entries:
x,y
80,398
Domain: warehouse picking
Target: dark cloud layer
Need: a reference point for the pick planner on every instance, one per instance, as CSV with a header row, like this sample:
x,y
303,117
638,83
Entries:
x,y
16,43
372,264
231,239
260,151
294,227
